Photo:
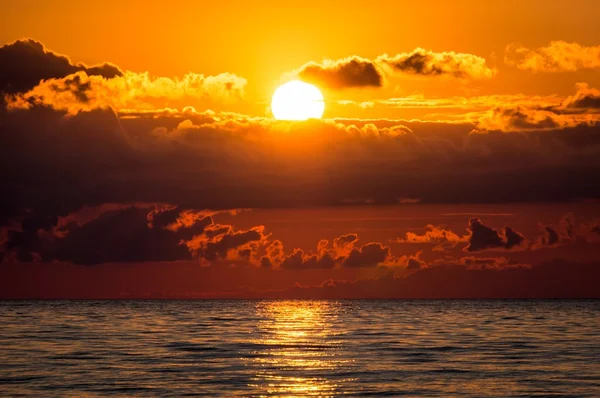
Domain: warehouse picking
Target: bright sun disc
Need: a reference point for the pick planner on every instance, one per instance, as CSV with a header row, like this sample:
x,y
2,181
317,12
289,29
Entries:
x,y
297,100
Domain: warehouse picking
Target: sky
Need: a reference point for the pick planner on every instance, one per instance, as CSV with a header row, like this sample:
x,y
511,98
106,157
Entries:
x,y
457,155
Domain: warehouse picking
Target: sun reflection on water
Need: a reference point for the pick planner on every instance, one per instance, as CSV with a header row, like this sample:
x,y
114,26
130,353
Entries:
x,y
300,348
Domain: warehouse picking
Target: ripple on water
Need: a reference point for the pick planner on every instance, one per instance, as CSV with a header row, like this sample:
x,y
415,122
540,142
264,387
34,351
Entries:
x,y
300,348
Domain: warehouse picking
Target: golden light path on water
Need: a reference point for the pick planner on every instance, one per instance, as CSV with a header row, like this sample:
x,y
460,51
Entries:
x,y
251,348
299,340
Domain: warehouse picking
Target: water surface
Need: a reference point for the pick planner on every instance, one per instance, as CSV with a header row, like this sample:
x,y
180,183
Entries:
x,y
300,348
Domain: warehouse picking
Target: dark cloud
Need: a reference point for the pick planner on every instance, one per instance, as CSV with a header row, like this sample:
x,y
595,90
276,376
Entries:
x,y
355,71
134,233
369,255
76,85
486,238
578,111
519,119
225,242
414,263
348,72
119,235
559,234
513,238
483,237
585,99
24,63
194,160
274,254
116,236
428,63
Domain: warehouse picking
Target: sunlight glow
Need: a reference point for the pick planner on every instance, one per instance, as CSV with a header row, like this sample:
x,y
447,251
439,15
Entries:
x,y
293,334
297,100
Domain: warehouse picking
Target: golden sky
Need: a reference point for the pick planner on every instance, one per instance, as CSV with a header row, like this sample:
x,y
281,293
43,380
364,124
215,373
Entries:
x,y
262,41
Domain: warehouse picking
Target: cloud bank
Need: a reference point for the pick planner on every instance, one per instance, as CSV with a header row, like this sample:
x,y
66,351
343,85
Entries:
x,y
557,56
359,72
26,62
423,62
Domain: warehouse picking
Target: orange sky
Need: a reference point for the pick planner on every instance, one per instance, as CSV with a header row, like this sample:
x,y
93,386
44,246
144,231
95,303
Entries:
x,y
263,40
460,142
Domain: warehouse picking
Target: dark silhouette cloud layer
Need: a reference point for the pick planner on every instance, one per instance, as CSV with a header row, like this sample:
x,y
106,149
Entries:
x,y
429,63
228,161
343,73
357,72
486,238
24,63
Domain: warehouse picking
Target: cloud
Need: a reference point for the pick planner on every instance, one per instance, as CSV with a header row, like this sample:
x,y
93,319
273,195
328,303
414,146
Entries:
x,y
411,262
558,56
428,63
342,252
522,119
351,72
480,237
586,99
226,242
121,233
174,218
82,152
131,90
24,63
222,161
31,75
274,255
142,233
562,233
580,109
443,239
486,238
369,255
114,236
359,72
414,263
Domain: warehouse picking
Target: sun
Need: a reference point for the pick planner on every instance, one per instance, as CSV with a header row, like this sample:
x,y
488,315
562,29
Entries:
x,y
297,100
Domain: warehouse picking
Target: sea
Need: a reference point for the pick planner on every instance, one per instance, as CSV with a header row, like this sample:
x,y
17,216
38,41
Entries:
x,y
254,348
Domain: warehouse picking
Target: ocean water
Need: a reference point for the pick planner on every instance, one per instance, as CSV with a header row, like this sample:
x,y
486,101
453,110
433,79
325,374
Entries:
x,y
470,348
